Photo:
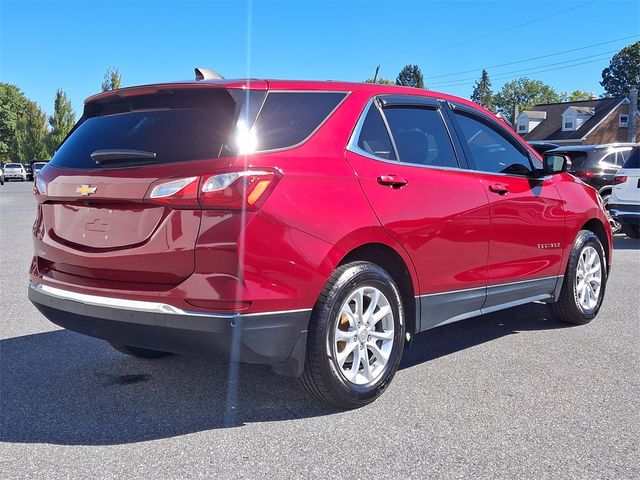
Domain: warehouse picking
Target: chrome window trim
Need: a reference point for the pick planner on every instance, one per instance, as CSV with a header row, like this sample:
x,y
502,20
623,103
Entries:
x,y
352,144
143,306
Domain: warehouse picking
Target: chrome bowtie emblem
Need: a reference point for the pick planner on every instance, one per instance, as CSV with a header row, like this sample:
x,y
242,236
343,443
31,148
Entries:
x,y
86,190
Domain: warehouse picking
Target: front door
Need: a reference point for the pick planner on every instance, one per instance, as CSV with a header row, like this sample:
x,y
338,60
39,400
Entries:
x,y
527,219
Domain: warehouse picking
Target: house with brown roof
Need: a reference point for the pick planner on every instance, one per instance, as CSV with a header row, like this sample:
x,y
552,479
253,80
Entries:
x,y
585,122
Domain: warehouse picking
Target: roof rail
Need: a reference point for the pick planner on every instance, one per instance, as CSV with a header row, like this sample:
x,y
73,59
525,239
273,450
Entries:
x,y
207,74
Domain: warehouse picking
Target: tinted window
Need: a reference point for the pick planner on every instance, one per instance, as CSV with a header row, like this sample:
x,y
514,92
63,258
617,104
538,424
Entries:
x,y
634,159
177,126
609,158
579,160
13,165
288,118
420,136
490,150
374,138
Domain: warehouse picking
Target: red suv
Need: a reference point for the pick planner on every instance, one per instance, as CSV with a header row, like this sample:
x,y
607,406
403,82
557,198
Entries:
x,y
311,226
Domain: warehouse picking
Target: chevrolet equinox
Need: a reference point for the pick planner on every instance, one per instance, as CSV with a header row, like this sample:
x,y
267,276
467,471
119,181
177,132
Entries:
x,y
311,226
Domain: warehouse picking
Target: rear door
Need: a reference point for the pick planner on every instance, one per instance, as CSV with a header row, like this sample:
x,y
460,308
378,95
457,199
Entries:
x,y
527,218
95,226
436,211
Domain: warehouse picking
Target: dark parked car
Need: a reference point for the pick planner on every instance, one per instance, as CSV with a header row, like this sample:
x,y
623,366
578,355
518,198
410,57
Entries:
x,y
597,165
29,169
542,147
312,226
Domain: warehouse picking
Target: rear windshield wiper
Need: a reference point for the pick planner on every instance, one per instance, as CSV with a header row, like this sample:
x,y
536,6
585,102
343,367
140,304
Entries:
x,y
118,155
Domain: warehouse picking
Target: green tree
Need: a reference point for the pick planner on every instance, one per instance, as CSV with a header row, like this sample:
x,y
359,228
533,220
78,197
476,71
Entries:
x,y
575,96
410,76
112,79
32,136
482,93
623,71
381,81
525,93
62,119
12,102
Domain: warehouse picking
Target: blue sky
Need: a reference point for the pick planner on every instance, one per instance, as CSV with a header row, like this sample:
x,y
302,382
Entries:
x,y
49,45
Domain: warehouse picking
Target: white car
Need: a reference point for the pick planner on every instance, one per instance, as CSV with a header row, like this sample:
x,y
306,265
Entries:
x,y
37,166
624,203
15,171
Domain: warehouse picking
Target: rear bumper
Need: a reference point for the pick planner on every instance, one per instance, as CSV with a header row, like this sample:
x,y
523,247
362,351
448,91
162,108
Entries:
x,y
275,338
625,213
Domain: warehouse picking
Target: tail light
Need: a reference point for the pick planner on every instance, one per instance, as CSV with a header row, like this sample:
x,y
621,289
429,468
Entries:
x,y
40,187
617,180
182,192
237,190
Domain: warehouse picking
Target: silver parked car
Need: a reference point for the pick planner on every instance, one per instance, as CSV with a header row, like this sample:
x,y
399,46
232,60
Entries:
x,y
15,171
37,166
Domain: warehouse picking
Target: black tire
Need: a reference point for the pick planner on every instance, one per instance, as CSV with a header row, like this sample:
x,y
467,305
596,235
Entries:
x,y
139,352
568,308
323,378
631,231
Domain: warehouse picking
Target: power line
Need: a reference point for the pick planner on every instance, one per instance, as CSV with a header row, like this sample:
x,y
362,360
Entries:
x,y
524,70
541,71
533,58
481,37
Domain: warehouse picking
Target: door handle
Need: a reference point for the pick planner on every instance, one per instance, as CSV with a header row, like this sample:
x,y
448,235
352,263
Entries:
x,y
392,181
499,188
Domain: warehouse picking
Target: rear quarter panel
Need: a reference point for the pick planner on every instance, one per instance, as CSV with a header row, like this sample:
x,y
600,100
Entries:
x,y
319,193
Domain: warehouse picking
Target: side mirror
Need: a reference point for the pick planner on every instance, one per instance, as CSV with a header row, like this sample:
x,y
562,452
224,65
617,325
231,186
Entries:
x,y
554,163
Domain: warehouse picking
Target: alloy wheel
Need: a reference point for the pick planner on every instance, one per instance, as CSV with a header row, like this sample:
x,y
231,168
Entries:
x,y
588,278
363,336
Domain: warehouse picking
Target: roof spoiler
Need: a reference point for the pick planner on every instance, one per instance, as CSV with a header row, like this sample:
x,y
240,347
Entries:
x,y
207,74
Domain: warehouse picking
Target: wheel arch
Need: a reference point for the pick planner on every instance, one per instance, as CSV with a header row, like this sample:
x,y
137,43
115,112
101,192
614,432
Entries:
x,y
595,225
604,190
389,259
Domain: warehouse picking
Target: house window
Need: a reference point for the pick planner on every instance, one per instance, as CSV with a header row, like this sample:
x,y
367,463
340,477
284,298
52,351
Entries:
x,y
568,125
623,121
522,128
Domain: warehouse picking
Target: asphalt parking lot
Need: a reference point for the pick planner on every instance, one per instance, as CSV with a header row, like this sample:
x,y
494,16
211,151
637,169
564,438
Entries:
x,y
509,395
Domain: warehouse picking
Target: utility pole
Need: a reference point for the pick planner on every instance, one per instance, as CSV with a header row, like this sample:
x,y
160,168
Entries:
x,y
633,114
375,76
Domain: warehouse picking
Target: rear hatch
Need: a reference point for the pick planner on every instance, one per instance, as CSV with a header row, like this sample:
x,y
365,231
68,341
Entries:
x,y
95,225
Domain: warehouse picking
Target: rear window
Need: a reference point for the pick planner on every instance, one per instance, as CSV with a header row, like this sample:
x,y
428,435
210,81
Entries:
x,y
175,125
13,165
289,118
634,159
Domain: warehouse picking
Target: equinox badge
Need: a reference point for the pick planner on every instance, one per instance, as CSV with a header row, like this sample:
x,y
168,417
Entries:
x,y
86,190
